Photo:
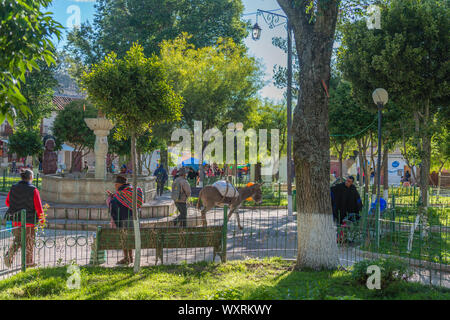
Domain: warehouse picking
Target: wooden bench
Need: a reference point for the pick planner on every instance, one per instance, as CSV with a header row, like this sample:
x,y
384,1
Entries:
x,y
159,238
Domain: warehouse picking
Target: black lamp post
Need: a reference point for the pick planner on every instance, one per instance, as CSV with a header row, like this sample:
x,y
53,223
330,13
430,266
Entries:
x,y
273,20
380,97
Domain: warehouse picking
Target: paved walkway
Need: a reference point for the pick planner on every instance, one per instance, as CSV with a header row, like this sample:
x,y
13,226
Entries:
x,y
266,233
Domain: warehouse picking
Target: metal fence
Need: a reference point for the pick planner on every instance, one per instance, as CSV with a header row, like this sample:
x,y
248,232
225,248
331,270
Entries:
x,y
8,178
421,239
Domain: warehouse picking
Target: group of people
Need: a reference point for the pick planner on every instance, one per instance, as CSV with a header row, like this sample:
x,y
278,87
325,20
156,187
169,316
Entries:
x,y
345,199
15,169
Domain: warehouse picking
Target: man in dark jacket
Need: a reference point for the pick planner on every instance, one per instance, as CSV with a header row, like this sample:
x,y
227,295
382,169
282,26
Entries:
x,y
161,178
120,205
345,199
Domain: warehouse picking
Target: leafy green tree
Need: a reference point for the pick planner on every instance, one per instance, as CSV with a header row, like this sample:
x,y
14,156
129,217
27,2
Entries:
x,y
69,126
314,25
135,93
25,38
119,23
341,110
280,73
266,114
269,115
38,91
219,83
145,144
25,142
411,65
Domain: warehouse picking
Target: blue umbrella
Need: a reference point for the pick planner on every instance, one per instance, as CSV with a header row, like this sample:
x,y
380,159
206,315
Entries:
x,y
192,162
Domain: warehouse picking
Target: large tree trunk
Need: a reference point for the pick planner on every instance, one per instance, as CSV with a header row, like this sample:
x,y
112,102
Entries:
x,y
317,247
137,232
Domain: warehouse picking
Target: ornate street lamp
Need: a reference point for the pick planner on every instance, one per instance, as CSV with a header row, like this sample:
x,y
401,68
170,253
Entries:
x,y
380,98
273,20
256,32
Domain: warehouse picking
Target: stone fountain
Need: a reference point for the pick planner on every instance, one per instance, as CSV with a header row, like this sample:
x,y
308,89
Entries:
x,y
90,189
82,197
101,128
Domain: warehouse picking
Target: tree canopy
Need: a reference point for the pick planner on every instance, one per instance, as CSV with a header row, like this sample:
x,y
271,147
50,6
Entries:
x,y
38,91
409,57
218,83
136,94
69,126
118,24
25,143
134,91
25,38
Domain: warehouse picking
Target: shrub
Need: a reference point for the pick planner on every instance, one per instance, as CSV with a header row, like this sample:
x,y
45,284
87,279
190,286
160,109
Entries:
x,y
227,293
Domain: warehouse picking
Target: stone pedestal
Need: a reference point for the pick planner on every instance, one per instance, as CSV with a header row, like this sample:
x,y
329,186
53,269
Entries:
x,y
87,190
101,128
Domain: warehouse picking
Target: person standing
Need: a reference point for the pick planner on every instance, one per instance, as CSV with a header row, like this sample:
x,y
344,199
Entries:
x,y
121,210
161,178
174,173
345,200
24,195
86,167
407,176
181,191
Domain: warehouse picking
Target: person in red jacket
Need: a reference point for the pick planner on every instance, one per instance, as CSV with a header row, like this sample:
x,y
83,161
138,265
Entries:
x,y
23,195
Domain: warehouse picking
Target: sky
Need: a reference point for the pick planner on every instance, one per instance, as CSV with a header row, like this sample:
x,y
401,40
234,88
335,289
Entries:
x,y
72,12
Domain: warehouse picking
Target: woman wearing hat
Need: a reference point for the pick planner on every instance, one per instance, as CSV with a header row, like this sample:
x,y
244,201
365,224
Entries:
x,y
121,209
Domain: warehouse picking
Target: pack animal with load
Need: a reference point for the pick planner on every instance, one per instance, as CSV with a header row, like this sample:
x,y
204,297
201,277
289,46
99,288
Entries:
x,y
224,193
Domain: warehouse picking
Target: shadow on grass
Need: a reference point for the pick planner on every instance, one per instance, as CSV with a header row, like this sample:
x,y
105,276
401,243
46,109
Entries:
x,y
339,285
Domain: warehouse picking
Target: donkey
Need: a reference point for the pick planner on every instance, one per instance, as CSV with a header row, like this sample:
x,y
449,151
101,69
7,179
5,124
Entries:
x,y
211,197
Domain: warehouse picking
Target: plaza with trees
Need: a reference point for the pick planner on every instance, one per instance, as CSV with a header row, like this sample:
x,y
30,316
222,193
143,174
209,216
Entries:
x,y
150,67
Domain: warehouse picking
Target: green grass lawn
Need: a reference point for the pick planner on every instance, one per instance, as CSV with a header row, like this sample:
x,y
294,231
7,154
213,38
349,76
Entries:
x,y
248,279
434,248
7,182
435,216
